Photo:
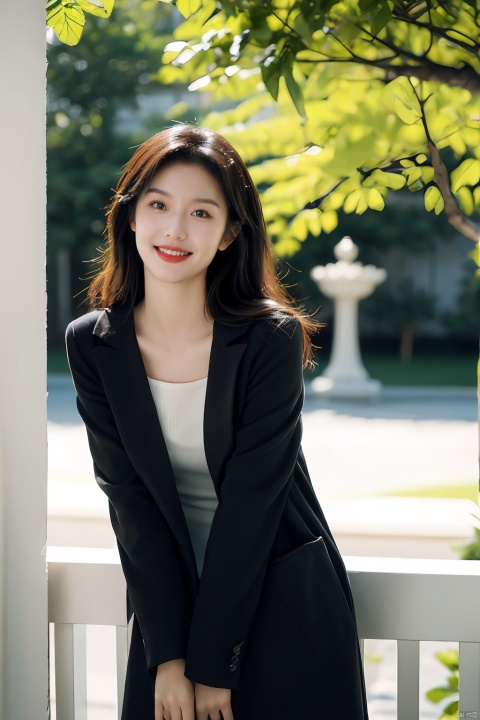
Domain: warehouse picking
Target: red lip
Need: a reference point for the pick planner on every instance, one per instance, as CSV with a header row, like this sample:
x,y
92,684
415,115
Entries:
x,y
171,258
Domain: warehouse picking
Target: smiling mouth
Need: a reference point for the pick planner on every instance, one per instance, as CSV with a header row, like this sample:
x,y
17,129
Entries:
x,y
176,253
172,255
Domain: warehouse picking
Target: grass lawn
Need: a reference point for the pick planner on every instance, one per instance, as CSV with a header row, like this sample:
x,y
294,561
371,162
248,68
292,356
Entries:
x,y
470,492
456,370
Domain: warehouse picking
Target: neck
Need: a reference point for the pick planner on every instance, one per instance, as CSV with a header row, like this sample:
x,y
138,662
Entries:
x,y
174,310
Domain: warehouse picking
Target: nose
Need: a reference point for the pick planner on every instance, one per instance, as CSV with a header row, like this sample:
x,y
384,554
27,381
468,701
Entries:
x,y
176,228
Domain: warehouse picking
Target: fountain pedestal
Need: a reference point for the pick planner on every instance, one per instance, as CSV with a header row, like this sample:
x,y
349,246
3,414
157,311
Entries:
x,y
347,282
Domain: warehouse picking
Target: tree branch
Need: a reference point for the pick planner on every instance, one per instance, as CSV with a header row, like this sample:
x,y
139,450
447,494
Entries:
x,y
463,77
440,32
452,209
314,204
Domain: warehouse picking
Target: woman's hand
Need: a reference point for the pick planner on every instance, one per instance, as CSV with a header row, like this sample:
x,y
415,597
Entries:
x,y
210,701
174,693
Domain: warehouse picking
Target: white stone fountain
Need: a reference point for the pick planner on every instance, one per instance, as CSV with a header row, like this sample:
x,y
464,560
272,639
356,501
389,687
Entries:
x,y
347,282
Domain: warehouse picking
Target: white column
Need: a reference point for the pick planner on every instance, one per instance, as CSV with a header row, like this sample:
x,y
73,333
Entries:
x,y
346,362
23,463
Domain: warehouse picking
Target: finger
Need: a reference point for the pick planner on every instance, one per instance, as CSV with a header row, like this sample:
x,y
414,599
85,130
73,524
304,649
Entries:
x,y
176,713
188,711
227,712
201,714
159,711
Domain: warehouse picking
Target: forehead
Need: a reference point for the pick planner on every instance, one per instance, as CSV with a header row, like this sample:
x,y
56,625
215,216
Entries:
x,y
188,177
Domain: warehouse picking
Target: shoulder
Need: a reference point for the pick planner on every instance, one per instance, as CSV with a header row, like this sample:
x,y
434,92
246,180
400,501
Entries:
x,y
277,329
83,325
276,339
79,336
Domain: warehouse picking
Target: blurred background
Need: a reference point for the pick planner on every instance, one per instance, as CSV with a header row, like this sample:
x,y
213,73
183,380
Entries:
x,y
109,93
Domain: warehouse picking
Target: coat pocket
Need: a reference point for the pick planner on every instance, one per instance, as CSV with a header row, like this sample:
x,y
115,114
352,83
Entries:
x,y
306,582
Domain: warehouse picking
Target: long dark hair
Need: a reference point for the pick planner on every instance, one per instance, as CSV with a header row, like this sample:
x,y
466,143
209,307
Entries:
x,y
241,280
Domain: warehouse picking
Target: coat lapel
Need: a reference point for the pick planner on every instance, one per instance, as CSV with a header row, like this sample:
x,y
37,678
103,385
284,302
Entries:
x,y
218,430
122,371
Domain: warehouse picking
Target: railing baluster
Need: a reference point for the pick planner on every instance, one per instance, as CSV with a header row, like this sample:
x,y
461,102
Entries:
x,y
393,599
469,682
80,671
408,667
64,671
70,671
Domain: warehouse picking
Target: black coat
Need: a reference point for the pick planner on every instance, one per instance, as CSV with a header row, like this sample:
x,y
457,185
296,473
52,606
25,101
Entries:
x,y
273,616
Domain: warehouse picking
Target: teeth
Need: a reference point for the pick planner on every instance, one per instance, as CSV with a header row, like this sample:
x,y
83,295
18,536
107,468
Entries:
x,y
172,252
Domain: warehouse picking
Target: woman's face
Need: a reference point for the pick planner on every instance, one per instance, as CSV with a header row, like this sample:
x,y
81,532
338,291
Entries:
x,y
180,222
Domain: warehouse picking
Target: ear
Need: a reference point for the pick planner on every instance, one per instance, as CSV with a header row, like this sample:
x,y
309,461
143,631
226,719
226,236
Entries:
x,y
131,219
230,235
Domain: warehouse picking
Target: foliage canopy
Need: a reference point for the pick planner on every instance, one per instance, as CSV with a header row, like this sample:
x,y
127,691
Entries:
x,y
67,19
341,102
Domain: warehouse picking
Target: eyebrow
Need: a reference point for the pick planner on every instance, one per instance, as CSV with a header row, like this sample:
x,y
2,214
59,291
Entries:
x,y
208,201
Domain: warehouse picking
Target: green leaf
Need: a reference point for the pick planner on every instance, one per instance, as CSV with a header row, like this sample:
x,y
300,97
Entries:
x,y
428,174
449,658
465,198
67,22
299,227
329,221
366,5
188,7
271,76
362,205
375,200
431,197
392,180
399,97
453,680
351,201
378,177
413,175
450,711
295,91
467,173
101,8
439,206
437,694
302,28
382,17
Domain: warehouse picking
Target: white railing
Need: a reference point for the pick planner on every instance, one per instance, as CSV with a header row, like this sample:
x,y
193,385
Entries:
x,y
407,600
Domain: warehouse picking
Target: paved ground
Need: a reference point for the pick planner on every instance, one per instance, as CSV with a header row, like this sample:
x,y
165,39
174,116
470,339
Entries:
x,y
411,438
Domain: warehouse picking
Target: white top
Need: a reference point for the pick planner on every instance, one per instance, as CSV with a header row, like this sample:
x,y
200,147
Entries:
x,y
180,408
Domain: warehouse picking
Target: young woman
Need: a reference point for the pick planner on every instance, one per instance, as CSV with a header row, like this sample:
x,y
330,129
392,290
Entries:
x,y
189,380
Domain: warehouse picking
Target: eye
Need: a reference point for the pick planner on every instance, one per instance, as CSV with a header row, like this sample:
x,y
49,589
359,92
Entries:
x,y
203,214
156,203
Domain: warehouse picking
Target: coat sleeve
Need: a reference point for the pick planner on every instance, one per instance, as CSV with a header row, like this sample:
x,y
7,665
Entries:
x,y
253,494
149,561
